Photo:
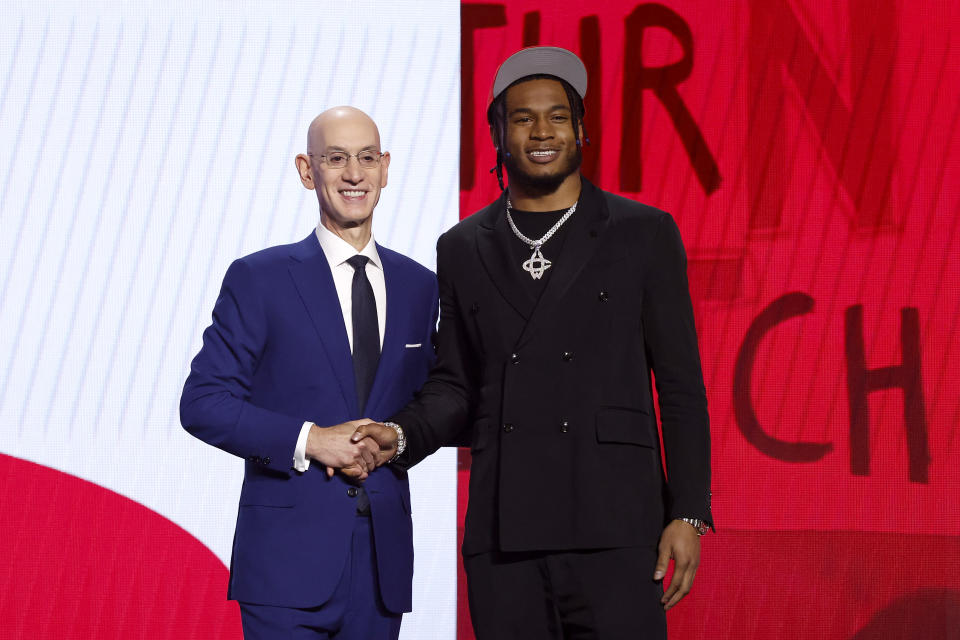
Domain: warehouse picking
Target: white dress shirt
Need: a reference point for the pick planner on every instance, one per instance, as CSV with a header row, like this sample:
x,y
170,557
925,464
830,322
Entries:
x,y
338,251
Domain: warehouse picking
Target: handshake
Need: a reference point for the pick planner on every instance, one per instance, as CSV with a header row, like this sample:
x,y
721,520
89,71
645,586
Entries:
x,y
353,448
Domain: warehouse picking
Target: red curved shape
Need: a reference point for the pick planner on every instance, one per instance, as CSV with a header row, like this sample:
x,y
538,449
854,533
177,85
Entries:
x,y
81,561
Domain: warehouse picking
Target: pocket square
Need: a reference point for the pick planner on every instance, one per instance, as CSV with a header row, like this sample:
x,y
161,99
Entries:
x,y
413,346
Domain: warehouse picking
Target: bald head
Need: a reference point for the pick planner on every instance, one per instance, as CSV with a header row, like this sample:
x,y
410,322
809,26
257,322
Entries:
x,y
346,167
341,122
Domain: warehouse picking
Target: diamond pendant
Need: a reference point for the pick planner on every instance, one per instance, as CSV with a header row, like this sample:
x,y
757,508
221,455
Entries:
x,y
537,264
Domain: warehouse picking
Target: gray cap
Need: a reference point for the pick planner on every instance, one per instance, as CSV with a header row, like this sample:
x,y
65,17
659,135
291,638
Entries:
x,y
552,61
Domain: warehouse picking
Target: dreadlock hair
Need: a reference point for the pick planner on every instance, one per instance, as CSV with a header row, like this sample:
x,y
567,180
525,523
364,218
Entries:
x,y
497,116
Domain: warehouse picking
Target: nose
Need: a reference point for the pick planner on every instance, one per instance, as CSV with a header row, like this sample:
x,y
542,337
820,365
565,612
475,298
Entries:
x,y
541,130
353,172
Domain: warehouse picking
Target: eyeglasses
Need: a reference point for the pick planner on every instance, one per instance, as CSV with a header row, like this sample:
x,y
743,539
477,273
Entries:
x,y
338,159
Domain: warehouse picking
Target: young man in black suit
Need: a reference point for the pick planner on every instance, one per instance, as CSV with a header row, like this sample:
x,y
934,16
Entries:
x,y
557,302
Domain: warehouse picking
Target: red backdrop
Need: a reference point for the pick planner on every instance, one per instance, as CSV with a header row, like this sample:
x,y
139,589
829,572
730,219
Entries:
x,y
80,561
809,153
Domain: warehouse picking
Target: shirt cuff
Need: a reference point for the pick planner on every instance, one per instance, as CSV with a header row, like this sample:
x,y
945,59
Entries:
x,y
300,461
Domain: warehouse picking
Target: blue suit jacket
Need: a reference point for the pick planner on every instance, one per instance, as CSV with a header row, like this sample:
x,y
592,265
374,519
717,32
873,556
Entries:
x,y
276,355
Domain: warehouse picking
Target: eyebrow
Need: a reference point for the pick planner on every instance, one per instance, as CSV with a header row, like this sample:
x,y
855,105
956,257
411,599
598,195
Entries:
x,y
369,147
556,107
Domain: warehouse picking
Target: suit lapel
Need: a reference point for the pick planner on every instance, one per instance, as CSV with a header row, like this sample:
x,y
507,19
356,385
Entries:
x,y
311,275
391,350
582,239
493,244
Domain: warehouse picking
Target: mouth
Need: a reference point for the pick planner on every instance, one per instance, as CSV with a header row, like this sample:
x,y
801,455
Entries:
x,y
352,195
542,156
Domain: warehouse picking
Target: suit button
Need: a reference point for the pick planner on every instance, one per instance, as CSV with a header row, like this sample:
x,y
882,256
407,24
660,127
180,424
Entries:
x,y
266,460
567,356
602,296
564,426
475,307
514,358
352,492
507,428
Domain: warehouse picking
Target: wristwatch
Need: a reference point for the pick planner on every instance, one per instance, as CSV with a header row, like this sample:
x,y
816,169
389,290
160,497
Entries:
x,y
697,524
401,439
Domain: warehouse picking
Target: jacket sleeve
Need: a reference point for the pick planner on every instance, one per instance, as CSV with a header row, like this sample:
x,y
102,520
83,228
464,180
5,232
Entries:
x,y
438,414
215,405
671,344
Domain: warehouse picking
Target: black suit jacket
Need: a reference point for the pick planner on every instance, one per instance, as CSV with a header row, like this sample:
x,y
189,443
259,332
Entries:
x,y
566,452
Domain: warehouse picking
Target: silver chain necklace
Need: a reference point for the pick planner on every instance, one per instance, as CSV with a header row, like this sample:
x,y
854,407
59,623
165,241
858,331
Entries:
x,y
537,265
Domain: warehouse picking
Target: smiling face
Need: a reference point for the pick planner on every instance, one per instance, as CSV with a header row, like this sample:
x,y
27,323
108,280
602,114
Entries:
x,y
542,151
347,195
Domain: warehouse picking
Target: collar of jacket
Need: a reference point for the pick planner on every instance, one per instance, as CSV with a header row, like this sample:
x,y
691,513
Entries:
x,y
583,236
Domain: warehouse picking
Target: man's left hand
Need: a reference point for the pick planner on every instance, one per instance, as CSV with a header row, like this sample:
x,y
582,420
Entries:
x,y
681,542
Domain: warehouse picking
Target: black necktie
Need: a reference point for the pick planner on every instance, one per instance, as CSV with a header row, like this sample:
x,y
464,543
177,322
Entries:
x,y
366,345
366,331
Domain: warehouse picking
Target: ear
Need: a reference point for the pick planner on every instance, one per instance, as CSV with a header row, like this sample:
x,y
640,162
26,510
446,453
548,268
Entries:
x,y
303,168
493,137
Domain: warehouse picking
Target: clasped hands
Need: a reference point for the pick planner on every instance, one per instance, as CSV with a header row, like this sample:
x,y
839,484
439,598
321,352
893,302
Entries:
x,y
353,448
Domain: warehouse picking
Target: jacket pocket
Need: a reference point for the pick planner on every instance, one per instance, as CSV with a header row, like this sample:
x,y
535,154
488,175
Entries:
x,y
625,426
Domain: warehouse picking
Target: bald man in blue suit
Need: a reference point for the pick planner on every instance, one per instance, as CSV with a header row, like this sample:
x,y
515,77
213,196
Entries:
x,y
307,341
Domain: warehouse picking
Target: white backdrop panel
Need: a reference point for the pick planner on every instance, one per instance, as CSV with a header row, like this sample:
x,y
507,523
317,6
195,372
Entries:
x,y
144,146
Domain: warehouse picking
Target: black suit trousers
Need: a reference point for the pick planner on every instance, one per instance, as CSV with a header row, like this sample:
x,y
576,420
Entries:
x,y
604,594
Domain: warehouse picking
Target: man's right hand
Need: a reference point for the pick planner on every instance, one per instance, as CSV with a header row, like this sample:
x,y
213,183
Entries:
x,y
384,437
333,447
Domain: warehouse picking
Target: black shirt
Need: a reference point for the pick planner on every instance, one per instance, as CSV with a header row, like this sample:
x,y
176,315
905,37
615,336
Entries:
x,y
534,224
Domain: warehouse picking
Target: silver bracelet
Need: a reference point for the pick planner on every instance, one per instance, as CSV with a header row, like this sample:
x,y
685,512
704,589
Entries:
x,y
401,440
697,524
